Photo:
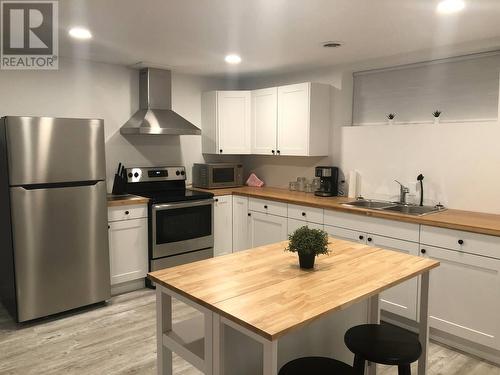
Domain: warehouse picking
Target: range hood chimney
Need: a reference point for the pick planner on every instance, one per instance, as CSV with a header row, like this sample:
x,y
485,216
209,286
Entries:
x,y
155,115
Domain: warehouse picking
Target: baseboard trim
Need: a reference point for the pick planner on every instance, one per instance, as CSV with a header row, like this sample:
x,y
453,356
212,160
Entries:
x,y
128,286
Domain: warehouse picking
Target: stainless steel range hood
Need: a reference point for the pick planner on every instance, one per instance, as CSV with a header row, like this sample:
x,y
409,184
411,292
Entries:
x,y
155,115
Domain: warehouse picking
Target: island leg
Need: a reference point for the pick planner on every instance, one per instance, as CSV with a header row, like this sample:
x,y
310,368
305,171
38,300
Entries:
x,y
423,334
374,318
270,357
163,324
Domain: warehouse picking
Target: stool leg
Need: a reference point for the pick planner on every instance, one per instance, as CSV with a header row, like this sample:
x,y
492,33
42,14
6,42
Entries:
x,y
404,370
359,365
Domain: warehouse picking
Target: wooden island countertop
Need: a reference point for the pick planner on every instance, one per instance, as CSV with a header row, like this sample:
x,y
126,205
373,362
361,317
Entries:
x,y
264,290
476,222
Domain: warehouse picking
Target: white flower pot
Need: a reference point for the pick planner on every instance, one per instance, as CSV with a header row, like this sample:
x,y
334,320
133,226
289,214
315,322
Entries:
x,y
391,121
436,120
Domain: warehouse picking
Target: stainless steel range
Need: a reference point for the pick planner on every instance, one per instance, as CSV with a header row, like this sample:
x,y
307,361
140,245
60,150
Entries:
x,y
180,219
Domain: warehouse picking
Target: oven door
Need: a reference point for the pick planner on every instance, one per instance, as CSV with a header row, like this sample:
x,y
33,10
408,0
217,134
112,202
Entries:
x,y
181,227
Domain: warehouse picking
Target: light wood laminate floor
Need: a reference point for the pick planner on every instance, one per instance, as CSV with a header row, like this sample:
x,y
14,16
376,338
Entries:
x,y
119,338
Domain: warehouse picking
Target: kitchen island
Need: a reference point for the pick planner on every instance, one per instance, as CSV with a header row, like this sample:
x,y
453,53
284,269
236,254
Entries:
x,y
264,295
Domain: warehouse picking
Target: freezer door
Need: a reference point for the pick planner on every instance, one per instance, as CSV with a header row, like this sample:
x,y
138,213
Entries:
x,y
60,248
44,150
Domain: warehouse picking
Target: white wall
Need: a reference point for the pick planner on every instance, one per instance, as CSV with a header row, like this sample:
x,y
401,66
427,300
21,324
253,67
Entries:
x,y
85,89
460,162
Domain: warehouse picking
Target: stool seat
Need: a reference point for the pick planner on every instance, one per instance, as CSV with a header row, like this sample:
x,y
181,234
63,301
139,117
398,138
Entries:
x,y
316,366
384,344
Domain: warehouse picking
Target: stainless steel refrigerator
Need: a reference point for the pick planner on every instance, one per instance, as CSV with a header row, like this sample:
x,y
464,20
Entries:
x,y
53,217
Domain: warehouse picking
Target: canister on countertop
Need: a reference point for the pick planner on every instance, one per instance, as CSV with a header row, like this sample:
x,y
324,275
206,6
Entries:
x,y
301,183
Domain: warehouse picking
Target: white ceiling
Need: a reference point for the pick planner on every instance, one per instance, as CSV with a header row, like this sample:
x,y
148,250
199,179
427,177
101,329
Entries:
x,y
271,35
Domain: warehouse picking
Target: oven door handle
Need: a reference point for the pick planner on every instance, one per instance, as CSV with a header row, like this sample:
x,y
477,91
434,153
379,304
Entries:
x,y
173,206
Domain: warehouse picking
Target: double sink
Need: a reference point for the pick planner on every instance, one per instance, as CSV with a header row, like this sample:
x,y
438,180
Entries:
x,y
407,209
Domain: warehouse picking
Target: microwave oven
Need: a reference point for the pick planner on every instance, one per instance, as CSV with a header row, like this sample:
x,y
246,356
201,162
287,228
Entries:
x,y
217,175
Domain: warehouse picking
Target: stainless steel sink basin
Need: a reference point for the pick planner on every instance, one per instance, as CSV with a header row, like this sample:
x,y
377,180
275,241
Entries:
x,y
413,210
395,207
370,204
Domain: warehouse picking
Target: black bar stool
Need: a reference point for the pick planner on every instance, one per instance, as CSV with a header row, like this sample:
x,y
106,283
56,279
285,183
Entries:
x,y
316,366
384,344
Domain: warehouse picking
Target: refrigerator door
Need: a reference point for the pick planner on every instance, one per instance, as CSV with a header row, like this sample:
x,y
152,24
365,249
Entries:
x,y
43,150
61,248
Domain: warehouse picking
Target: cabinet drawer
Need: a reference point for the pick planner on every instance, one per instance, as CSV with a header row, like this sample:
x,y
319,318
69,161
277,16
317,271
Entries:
x,y
269,207
127,212
294,224
346,234
309,214
467,242
383,227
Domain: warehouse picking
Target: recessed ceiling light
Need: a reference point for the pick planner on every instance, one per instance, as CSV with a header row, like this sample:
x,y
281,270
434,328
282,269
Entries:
x,y
80,33
450,6
332,44
232,59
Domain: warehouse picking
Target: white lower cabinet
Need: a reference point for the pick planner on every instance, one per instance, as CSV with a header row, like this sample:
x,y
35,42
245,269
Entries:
x,y
266,229
223,224
128,249
400,299
465,295
241,224
294,224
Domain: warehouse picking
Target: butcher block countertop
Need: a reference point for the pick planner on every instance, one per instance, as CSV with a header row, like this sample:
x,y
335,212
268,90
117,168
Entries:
x,y
125,200
476,222
264,290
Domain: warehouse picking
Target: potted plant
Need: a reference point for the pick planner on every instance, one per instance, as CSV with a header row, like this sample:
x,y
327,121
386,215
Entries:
x,y
436,115
391,117
308,243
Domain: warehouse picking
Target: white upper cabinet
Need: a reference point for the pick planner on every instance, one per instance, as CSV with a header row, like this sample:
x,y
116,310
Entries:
x,y
286,120
264,121
226,117
303,119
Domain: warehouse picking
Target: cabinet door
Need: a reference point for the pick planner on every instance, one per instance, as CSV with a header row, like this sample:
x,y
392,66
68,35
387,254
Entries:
x,y
465,296
128,250
223,224
294,224
233,119
346,234
266,229
264,121
241,224
293,119
400,299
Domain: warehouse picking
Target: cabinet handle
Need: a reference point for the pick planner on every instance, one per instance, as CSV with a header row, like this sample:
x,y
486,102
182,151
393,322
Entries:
x,y
361,237
278,151
216,199
272,151
423,251
126,212
460,242
369,239
220,150
109,226
303,214
249,214
265,206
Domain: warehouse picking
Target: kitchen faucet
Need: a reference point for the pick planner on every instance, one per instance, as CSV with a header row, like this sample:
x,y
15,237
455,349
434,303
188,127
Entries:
x,y
403,192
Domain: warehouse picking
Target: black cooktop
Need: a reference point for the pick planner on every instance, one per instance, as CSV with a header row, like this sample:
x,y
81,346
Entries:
x,y
168,196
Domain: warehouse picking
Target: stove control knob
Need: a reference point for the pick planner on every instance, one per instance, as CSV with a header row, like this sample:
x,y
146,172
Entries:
x,y
130,174
136,174
177,173
183,173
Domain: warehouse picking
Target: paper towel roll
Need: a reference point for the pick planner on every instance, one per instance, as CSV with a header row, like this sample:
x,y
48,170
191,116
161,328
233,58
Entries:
x,y
354,184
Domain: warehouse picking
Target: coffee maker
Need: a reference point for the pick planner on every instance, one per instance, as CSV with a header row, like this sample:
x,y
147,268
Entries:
x,y
329,181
